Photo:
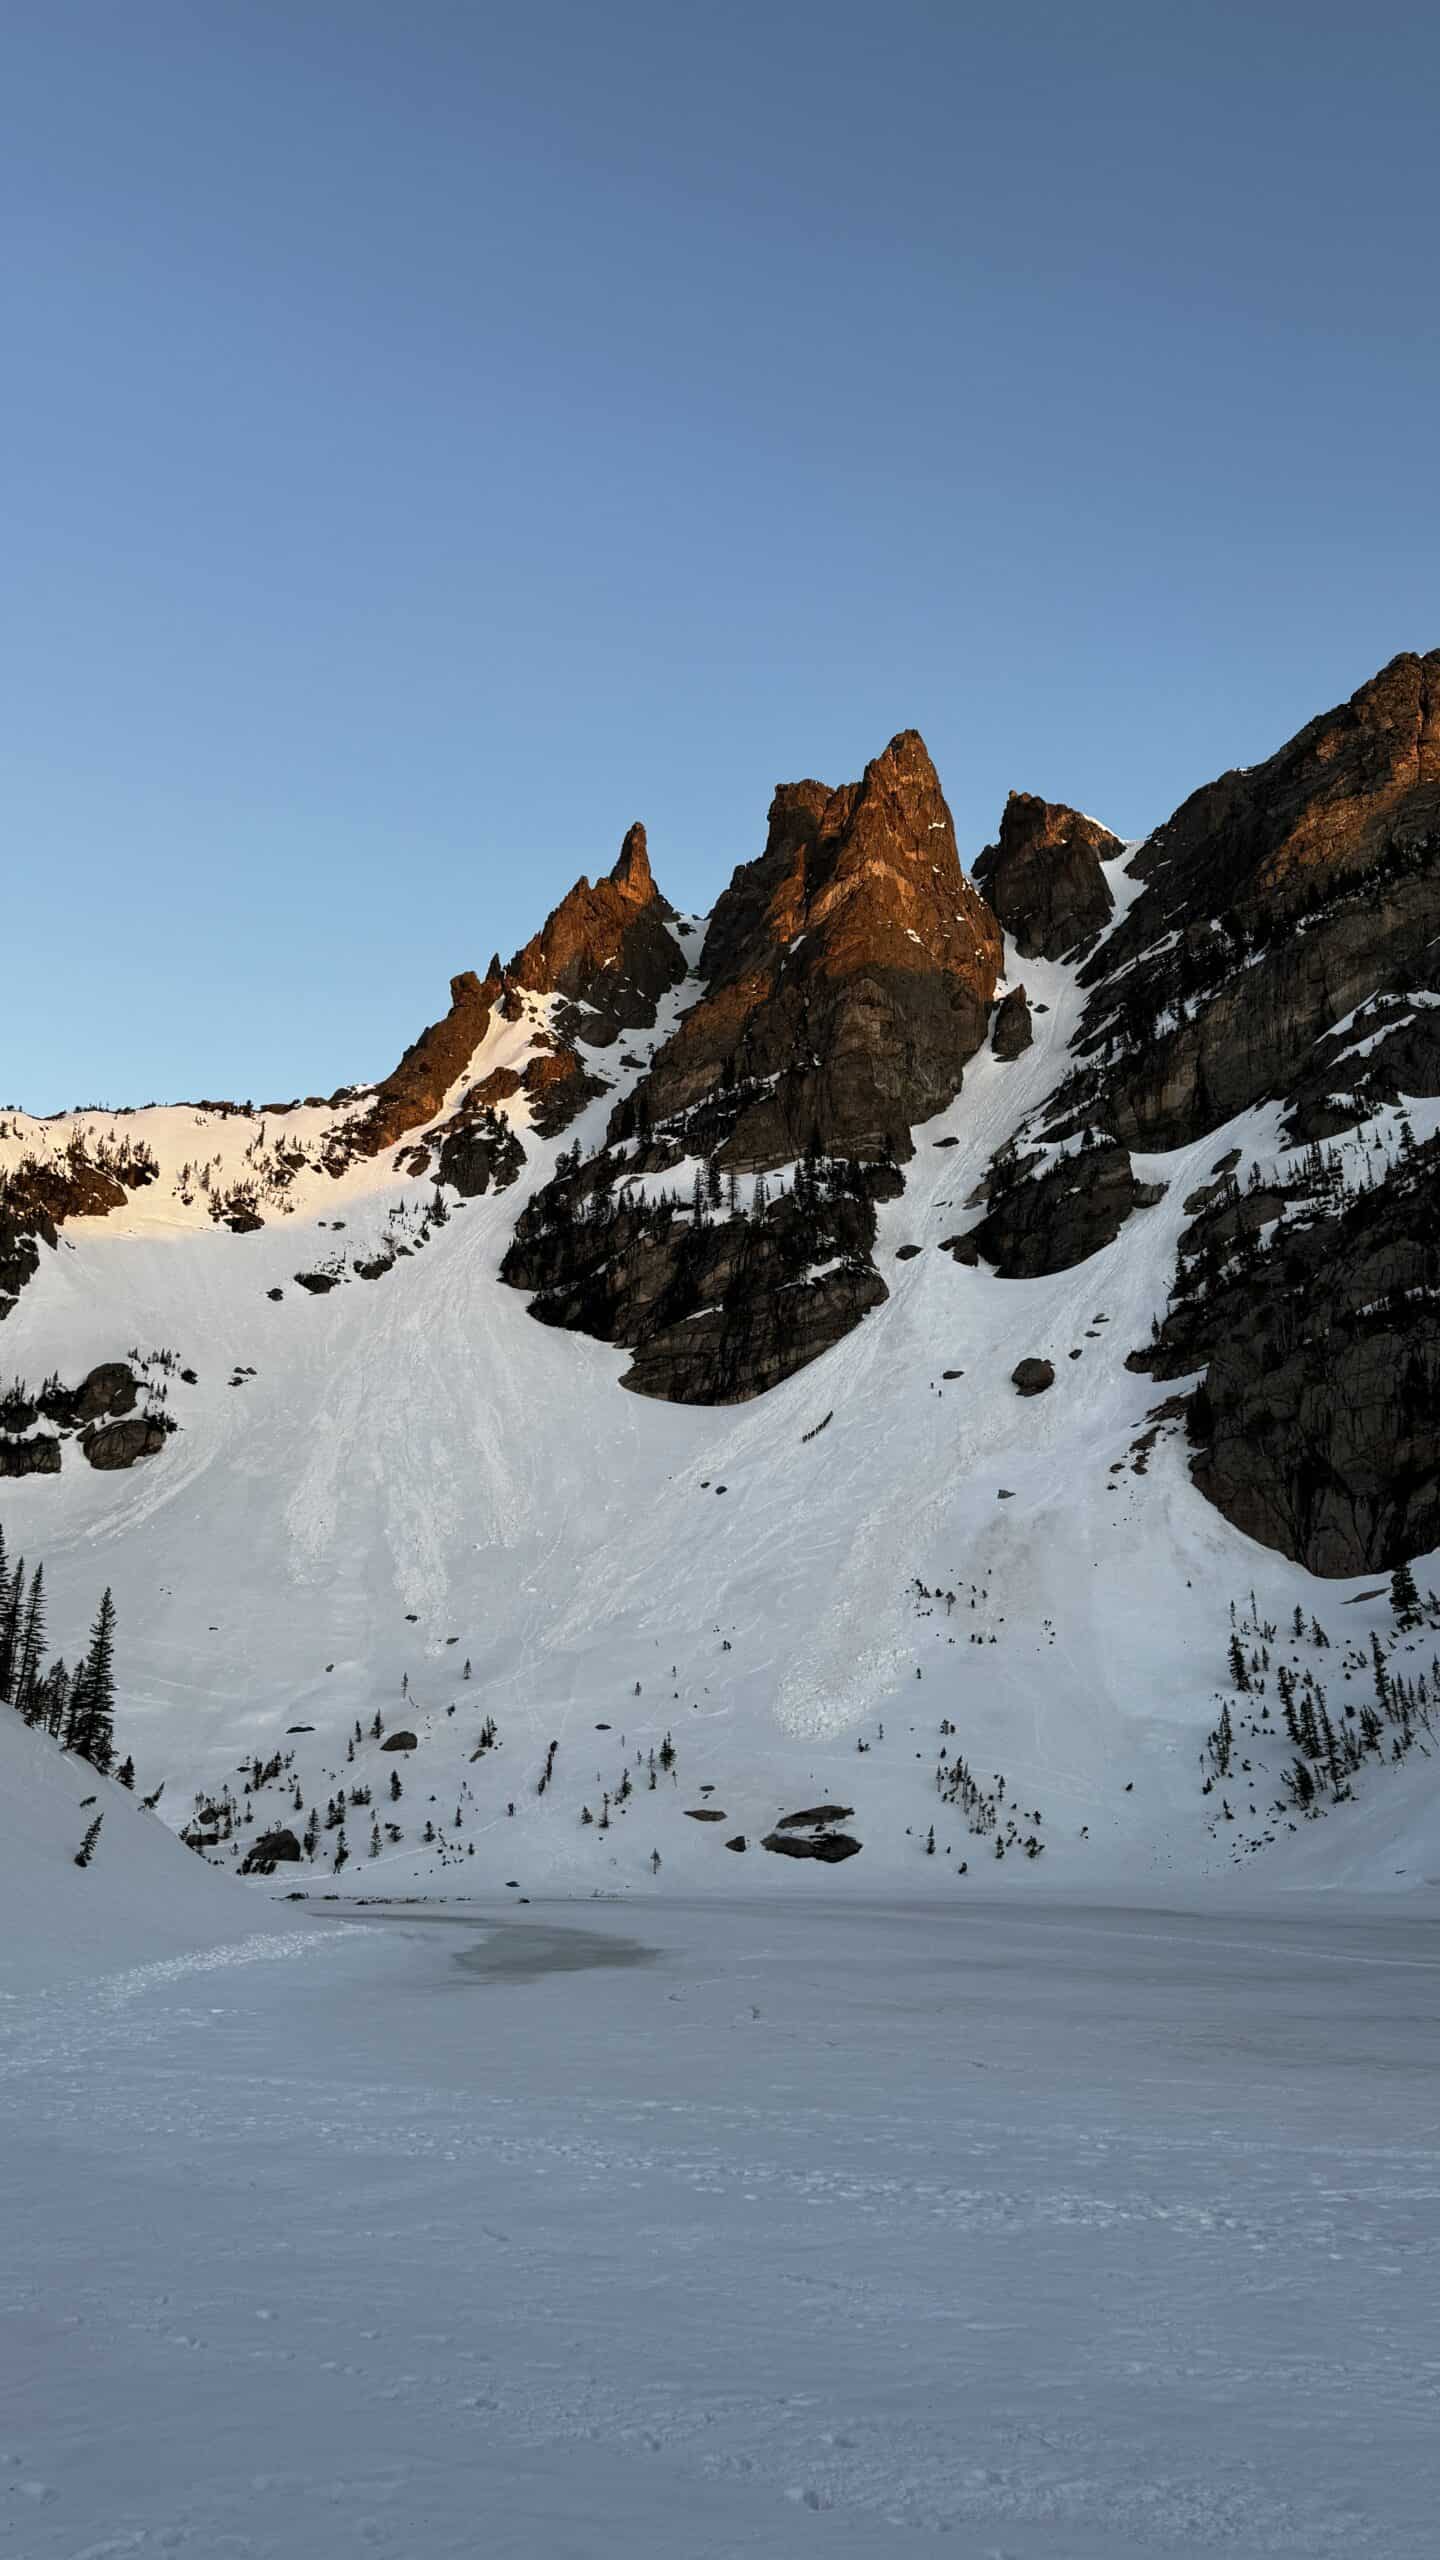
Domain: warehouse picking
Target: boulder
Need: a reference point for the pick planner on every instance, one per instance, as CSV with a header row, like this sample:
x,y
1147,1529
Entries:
x,y
273,1849
400,1742
830,1847
1032,1377
122,1444
1012,1030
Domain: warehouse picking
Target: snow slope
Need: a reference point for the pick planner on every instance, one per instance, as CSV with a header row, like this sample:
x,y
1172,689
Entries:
x,y
370,1488
142,1899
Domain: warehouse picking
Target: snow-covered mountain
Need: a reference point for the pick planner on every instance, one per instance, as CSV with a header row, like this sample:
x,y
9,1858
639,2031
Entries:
x,y
1028,1304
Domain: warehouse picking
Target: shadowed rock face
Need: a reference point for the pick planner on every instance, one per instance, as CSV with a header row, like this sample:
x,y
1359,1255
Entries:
x,y
478,1152
1275,901
1318,1420
1047,1217
1043,877
715,1308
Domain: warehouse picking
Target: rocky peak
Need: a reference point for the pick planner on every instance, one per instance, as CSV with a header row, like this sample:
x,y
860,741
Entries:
x,y
851,969
631,874
607,949
1043,876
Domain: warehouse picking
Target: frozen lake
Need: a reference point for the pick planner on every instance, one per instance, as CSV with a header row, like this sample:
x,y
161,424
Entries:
x,y
593,2230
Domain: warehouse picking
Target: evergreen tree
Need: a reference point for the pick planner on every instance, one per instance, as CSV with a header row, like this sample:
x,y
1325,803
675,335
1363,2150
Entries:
x,y
86,1850
57,1698
1404,1598
31,1651
91,1729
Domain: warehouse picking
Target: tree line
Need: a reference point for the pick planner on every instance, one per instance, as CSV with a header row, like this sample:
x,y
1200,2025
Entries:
x,y
76,1706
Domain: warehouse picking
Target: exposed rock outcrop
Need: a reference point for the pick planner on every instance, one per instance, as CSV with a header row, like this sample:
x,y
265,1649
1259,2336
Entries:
x,y
1275,901
715,1307
608,949
90,1410
41,1192
273,1849
1043,877
121,1444
850,973
1032,1377
559,1085
832,1848
38,1454
1315,1317
1012,1031
19,1257
479,1153
1046,1214
418,1086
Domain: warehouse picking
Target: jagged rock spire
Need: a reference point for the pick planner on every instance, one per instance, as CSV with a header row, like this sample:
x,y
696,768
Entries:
x,y
632,874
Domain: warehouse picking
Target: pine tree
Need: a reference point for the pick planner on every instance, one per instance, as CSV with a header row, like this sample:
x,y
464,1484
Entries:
x,y
91,1728
1404,1598
31,1651
86,1850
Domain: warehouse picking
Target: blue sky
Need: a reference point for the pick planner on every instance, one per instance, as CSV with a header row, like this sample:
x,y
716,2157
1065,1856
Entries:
x,y
437,435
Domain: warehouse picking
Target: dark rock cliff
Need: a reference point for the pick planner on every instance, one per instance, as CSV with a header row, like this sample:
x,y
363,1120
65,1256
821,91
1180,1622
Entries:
x,y
1043,877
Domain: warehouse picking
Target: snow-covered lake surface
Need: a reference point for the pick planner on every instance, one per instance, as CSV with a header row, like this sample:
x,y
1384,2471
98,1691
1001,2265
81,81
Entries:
x,y
1054,2228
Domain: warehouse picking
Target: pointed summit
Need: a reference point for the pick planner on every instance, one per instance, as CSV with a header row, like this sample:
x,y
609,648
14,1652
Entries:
x,y
851,969
632,874
608,948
